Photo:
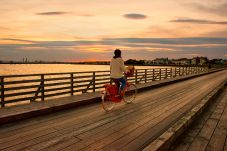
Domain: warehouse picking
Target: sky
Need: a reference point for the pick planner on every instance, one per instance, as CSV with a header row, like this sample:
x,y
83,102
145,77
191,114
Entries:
x,y
90,30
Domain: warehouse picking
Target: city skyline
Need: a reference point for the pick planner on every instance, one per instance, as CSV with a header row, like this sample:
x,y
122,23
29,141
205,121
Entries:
x,y
76,30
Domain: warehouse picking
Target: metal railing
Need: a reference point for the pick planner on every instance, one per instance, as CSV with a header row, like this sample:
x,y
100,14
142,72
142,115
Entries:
x,y
17,89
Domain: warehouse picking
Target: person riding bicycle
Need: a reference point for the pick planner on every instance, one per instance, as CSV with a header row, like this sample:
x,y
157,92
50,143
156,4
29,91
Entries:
x,y
117,70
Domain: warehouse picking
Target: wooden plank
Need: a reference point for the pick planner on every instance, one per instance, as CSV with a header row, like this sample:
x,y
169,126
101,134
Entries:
x,y
225,148
186,139
217,142
56,143
204,136
34,143
20,139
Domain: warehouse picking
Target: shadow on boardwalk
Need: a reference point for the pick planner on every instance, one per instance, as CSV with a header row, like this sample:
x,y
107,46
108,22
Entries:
x,y
209,131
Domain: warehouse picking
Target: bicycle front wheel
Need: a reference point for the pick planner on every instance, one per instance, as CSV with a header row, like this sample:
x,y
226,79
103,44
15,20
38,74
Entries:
x,y
130,93
107,104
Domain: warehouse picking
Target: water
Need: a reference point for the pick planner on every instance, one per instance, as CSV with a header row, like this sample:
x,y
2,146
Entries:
x,y
17,69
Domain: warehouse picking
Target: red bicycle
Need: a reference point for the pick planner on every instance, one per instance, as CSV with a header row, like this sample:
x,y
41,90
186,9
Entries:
x,y
110,95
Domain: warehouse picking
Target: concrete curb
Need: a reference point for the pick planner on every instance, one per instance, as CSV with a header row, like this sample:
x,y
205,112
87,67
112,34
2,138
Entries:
x,y
163,142
41,108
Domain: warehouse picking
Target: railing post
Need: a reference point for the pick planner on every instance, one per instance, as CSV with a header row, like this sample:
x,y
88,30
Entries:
x,y
72,84
153,75
160,74
93,81
145,75
136,78
42,88
2,93
166,74
171,72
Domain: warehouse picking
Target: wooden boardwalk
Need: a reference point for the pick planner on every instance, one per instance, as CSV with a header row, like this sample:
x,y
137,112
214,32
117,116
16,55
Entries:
x,y
209,132
127,127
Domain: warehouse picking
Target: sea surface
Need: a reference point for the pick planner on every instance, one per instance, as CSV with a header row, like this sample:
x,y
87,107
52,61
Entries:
x,y
17,69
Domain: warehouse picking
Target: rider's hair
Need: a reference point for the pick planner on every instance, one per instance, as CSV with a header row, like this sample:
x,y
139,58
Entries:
x,y
117,53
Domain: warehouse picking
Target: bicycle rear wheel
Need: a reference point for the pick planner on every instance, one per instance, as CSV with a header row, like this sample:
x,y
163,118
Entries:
x,y
107,104
130,93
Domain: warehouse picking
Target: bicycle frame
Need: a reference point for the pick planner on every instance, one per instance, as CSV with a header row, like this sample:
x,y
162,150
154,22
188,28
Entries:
x,y
111,89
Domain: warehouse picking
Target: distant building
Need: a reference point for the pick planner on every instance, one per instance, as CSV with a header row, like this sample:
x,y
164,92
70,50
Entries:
x,y
218,61
148,62
203,60
182,61
161,61
195,61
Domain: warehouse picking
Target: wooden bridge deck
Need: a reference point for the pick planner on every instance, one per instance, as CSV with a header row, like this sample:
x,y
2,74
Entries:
x,y
127,127
208,132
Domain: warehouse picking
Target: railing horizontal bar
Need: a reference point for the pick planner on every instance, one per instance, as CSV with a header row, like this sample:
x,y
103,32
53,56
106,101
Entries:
x,y
21,81
82,85
81,77
56,79
131,80
80,90
99,87
106,82
21,87
20,93
56,94
149,78
83,81
102,79
103,75
57,89
26,75
55,84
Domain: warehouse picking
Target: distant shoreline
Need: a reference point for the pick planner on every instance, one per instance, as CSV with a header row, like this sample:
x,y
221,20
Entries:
x,y
15,63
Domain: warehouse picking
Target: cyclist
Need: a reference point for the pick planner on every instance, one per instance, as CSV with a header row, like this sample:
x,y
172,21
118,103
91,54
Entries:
x,y
117,70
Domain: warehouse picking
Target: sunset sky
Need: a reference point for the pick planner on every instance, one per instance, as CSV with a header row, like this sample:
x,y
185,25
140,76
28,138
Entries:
x,y
79,30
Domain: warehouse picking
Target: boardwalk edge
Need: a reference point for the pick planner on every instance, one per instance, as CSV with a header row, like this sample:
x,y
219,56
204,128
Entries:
x,y
163,142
